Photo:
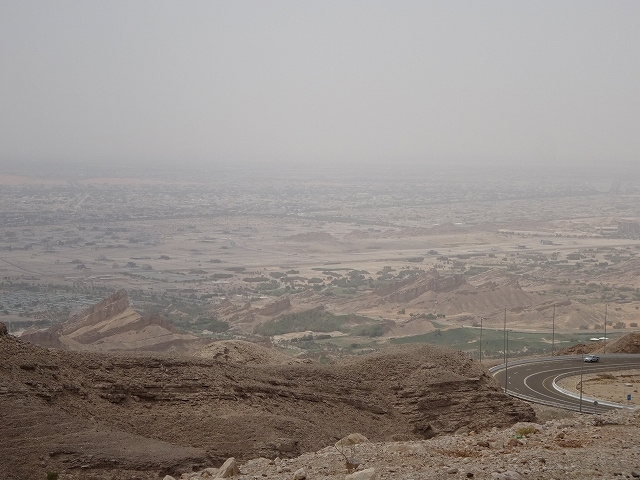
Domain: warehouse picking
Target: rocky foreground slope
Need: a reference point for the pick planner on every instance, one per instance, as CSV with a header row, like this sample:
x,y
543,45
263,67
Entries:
x,y
577,447
139,416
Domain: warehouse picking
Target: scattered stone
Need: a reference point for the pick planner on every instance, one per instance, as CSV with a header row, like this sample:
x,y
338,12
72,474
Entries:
x,y
368,474
452,470
508,475
351,439
228,469
168,477
300,474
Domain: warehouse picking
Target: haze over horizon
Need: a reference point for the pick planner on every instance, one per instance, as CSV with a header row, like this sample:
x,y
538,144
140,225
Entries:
x,y
217,83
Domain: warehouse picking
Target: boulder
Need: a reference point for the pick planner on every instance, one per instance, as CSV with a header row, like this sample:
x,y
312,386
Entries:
x,y
228,469
368,474
351,439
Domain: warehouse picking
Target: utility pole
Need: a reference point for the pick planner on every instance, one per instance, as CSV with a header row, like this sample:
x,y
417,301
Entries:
x,y
553,331
604,348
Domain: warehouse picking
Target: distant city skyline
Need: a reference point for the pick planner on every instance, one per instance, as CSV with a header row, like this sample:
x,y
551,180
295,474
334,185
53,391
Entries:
x,y
212,83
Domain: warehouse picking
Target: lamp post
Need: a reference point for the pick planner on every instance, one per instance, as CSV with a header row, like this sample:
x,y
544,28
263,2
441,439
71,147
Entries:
x,y
581,370
504,336
481,318
604,348
506,363
553,331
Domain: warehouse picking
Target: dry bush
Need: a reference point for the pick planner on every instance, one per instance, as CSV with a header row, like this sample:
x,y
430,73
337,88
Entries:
x,y
570,443
524,431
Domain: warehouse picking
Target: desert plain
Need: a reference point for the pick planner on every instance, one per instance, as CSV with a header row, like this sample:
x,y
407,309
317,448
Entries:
x,y
257,314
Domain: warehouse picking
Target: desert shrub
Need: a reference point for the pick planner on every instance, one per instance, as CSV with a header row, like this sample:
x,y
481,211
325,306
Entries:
x,y
633,324
52,475
524,431
235,269
219,276
415,259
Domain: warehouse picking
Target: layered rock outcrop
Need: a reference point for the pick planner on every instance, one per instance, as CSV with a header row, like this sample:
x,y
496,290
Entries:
x,y
112,325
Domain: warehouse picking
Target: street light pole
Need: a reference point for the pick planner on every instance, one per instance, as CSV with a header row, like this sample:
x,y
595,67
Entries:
x,y
506,364
604,348
553,331
581,370
504,336
481,318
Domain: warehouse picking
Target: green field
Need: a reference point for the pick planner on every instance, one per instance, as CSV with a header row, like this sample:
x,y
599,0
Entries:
x,y
467,339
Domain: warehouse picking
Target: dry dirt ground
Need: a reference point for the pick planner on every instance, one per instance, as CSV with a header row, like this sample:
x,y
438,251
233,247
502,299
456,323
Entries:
x,y
92,415
610,386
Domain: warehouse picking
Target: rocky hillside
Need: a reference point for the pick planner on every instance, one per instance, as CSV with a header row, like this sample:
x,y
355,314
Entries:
x,y
100,412
416,296
113,325
628,343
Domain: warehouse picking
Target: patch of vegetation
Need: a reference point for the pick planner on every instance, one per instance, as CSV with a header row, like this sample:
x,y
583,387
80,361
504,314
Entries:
x,y
317,320
255,279
213,325
219,276
236,269
467,340
373,330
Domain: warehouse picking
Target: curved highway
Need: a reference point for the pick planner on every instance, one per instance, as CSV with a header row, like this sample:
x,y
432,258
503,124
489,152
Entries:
x,y
534,379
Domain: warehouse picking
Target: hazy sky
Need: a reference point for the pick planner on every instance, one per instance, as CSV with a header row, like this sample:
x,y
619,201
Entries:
x,y
210,81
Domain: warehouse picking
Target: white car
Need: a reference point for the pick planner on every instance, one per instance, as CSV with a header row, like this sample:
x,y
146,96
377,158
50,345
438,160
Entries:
x,y
591,358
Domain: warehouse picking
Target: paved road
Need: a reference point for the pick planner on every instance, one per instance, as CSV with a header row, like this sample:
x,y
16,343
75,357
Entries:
x,y
533,380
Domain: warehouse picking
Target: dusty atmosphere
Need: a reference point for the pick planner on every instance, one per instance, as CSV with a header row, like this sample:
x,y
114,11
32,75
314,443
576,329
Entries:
x,y
319,240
